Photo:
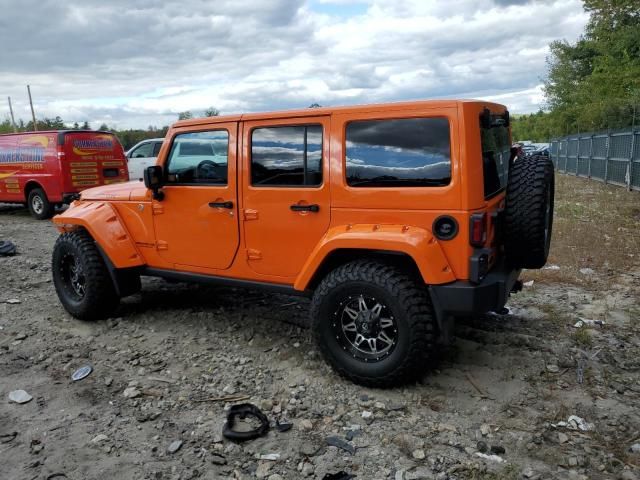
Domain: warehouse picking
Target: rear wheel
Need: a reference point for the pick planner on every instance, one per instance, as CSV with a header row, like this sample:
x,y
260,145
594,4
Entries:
x,y
39,205
374,324
81,278
529,211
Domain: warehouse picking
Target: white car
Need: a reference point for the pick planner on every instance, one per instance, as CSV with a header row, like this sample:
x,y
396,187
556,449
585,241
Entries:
x,y
142,155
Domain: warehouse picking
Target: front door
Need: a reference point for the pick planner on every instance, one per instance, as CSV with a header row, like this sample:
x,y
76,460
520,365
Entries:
x,y
196,224
285,191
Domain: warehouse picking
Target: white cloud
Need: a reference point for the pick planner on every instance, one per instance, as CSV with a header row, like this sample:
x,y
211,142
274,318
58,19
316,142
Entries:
x,y
133,64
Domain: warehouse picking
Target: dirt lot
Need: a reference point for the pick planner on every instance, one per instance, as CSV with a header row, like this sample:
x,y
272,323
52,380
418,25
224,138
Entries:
x,y
509,385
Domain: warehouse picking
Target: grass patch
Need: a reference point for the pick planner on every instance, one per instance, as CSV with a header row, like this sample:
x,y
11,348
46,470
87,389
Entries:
x,y
582,337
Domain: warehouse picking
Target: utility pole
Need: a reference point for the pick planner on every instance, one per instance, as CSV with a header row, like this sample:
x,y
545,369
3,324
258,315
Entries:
x,y
33,114
13,120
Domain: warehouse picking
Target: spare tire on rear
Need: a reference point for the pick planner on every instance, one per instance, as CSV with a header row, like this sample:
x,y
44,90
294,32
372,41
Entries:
x,y
529,212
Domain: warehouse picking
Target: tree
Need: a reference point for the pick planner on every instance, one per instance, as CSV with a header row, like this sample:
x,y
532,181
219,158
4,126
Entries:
x,y
211,112
86,126
104,127
594,84
76,126
315,105
186,115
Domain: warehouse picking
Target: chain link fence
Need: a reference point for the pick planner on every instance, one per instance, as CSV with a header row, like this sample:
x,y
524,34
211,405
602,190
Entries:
x,y
608,157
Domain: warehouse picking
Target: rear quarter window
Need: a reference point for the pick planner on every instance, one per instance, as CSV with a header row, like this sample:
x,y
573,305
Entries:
x,y
496,151
406,152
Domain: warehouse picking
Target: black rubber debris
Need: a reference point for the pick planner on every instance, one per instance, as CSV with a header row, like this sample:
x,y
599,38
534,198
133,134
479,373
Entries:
x,y
7,248
284,426
341,444
243,411
338,476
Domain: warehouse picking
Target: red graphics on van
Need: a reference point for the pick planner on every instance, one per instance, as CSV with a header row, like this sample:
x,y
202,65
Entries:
x,y
45,169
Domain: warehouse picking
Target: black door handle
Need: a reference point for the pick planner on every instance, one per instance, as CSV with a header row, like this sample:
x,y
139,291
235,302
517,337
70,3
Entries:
x,y
221,204
305,208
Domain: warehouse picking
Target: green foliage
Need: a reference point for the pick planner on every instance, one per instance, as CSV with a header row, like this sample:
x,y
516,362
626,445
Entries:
x,y
211,112
186,115
128,138
594,84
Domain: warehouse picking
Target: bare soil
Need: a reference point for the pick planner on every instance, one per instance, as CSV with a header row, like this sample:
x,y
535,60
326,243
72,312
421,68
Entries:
x,y
508,382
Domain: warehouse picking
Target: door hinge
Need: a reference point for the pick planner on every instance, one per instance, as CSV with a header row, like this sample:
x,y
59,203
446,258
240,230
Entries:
x,y
162,245
250,214
253,254
157,208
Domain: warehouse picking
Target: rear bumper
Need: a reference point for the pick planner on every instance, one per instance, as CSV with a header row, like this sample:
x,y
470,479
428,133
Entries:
x,y
466,298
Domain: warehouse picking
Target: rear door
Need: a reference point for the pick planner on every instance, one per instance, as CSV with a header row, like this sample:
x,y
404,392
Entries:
x,y
10,190
91,159
285,191
196,223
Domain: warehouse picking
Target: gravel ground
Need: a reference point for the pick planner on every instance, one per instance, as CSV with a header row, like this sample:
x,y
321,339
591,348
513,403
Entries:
x,y
499,406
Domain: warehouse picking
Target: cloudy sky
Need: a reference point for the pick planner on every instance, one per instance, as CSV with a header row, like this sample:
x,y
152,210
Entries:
x,y
135,63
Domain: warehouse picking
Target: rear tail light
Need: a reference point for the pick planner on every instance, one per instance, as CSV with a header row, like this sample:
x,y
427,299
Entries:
x,y
478,229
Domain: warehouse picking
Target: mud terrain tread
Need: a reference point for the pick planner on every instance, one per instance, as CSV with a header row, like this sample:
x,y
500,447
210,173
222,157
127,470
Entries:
x,y
417,311
529,179
100,299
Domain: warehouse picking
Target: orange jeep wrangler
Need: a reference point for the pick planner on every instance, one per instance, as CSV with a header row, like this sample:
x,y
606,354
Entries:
x,y
394,218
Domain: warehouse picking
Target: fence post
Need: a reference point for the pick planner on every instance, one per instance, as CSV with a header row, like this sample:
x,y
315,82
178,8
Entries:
x,y
606,157
630,164
566,154
577,154
590,156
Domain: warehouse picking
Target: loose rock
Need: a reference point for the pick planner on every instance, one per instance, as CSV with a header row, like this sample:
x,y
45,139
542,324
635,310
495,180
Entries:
x,y
19,396
174,446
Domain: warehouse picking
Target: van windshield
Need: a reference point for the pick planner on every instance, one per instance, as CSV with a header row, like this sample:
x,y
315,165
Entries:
x,y
496,151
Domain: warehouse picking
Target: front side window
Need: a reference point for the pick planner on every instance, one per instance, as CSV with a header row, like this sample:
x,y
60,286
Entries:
x,y
286,156
408,152
199,158
143,151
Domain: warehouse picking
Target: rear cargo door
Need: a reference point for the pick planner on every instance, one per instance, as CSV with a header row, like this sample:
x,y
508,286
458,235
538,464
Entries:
x,y
91,159
10,190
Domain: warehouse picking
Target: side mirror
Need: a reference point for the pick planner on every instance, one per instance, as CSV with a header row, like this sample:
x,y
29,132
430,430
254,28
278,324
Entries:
x,y
153,181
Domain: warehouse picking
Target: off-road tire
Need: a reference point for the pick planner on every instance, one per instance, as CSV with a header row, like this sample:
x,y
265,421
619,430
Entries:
x,y
411,306
529,211
100,299
39,205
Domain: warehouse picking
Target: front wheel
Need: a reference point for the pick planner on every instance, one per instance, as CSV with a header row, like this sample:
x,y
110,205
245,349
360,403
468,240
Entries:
x,y
80,277
374,324
39,205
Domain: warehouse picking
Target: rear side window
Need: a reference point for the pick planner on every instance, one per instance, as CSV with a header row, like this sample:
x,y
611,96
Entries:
x,y
408,152
496,151
286,156
156,149
199,158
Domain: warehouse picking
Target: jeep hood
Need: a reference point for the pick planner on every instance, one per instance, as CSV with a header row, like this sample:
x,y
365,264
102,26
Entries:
x,y
134,190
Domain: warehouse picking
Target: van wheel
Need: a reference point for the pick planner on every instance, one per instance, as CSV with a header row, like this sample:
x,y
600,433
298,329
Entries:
x,y
529,212
374,324
39,205
81,278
